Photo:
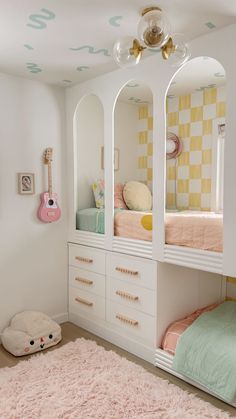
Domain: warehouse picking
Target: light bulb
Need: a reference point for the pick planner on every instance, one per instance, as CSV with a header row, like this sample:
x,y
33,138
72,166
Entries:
x,y
154,29
180,53
127,52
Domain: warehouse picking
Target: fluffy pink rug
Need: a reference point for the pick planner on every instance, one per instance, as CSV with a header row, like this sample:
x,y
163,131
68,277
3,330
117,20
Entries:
x,y
81,380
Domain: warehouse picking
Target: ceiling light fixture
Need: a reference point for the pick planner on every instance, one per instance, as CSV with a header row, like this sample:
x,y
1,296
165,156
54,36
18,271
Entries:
x,y
154,33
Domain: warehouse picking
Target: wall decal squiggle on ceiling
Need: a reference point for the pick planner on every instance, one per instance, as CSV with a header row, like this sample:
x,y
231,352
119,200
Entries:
x,y
38,19
218,74
132,85
137,100
82,68
28,46
33,68
92,50
114,20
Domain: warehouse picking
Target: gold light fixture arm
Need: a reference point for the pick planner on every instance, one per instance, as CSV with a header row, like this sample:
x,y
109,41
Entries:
x,y
168,49
136,49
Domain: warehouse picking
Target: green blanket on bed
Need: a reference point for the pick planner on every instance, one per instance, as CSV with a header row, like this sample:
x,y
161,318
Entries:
x,y
206,351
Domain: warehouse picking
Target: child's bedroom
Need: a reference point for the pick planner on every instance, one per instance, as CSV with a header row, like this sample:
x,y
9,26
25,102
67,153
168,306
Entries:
x,y
117,214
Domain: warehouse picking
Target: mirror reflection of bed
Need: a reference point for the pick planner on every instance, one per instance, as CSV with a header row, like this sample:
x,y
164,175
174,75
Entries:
x,y
194,176
90,174
133,120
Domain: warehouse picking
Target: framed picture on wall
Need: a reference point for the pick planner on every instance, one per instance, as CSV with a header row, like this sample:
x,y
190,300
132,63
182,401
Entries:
x,y
26,184
116,158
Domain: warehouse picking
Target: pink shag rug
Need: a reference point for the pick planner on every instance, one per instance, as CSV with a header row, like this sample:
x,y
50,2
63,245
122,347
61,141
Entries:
x,y
82,380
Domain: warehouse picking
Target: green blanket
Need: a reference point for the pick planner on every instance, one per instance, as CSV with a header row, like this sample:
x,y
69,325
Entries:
x,y
206,351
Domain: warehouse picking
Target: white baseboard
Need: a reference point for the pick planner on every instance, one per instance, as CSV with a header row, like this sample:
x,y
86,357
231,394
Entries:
x,y
61,318
107,332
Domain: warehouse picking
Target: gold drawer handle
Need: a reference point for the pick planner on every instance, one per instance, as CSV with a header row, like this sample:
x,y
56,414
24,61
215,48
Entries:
x,y
126,271
127,295
127,320
82,259
82,301
84,281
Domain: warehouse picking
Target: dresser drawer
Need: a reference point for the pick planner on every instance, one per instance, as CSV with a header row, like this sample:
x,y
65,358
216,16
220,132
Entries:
x,y
133,270
86,303
131,295
132,321
87,281
87,258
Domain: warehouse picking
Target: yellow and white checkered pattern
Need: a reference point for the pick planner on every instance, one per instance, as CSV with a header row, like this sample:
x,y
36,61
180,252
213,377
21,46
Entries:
x,y
191,118
145,150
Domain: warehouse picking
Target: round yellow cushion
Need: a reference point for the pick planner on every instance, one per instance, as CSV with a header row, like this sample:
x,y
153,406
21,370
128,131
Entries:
x,y
137,196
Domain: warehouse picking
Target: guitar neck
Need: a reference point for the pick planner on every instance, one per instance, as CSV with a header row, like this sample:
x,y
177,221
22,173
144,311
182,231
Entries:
x,y
50,178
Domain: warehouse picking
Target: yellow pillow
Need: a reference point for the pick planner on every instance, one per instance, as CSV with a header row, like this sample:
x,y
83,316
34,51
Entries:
x,y
137,196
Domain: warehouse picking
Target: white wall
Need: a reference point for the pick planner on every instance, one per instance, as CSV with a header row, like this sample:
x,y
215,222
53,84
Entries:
x,y
90,139
33,255
126,140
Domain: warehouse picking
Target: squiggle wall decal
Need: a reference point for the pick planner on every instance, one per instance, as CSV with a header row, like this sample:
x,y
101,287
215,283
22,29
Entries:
x,y
92,50
132,85
137,100
28,46
39,19
82,67
114,20
33,68
218,74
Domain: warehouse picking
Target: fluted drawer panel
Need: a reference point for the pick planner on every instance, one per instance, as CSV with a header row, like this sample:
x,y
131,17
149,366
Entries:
x,y
87,281
132,269
86,304
87,258
131,295
131,322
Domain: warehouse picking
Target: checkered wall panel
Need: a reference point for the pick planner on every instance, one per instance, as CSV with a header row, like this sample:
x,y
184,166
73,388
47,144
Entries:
x,y
145,150
191,118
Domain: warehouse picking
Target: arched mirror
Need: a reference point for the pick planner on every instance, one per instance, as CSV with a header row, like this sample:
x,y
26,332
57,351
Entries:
x,y
196,103
90,170
133,124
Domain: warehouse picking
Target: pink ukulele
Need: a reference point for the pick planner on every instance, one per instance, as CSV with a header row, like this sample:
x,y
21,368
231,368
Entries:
x,y
49,210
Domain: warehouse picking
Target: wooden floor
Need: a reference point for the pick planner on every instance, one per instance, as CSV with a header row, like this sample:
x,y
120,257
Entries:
x,y
71,332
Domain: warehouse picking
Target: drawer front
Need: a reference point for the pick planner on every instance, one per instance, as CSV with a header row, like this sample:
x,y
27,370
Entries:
x,y
140,325
87,258
86,303
131,295
135,271
87,281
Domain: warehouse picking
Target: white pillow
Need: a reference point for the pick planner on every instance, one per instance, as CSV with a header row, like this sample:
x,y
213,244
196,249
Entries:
x,y
137,196
29,332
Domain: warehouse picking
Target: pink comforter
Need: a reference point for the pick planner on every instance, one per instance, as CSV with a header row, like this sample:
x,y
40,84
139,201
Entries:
x,y
201,230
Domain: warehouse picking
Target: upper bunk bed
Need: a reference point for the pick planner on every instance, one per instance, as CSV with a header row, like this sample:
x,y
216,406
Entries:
x,y
193,220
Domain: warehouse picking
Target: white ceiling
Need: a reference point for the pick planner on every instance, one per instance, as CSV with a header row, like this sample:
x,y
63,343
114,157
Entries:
x,y
67,41
196,75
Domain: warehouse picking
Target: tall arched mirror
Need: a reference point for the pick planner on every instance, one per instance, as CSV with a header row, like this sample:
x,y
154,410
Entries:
x,y
196,104
90,171
133,124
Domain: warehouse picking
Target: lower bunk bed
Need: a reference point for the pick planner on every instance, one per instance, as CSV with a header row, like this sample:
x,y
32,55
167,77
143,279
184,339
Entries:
x,y
201,350
191,229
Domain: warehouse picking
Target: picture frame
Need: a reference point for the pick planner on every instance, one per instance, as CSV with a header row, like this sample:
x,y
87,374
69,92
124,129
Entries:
x,y
116,158
26,183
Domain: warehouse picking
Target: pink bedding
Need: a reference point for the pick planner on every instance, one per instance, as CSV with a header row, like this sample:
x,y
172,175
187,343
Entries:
x,y
133,225
200,230
176,329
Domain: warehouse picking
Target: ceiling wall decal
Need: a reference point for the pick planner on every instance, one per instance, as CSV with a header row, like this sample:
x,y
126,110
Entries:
x,y
210,25
218,74
33,68
27,46
137,100
82,68
38,19
67,81
114,20
132,85
92,50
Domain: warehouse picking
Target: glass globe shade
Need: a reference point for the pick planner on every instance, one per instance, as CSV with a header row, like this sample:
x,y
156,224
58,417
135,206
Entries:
x,y
123,54
154,29
182,52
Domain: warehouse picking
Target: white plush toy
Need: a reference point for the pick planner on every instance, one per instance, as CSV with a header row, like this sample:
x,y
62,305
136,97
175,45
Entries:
x,y
29,332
